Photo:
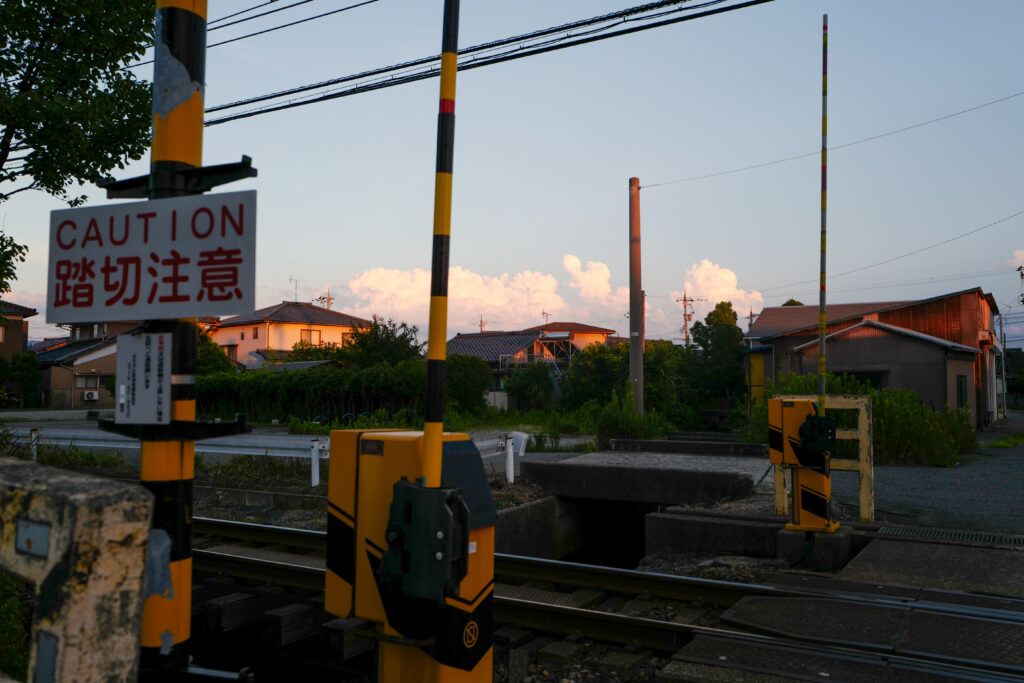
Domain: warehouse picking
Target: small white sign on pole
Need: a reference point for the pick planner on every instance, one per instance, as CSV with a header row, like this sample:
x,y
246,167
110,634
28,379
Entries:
x,y
143,378
182,257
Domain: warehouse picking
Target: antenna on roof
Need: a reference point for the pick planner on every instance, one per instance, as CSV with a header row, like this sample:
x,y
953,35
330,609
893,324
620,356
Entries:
x,y
546,316
325,299
482,322
291,279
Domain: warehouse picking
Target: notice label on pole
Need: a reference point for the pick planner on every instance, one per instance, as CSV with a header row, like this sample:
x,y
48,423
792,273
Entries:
x,y
143,378
182,257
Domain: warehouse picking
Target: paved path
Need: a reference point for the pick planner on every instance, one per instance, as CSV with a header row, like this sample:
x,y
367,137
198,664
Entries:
x,y
984,493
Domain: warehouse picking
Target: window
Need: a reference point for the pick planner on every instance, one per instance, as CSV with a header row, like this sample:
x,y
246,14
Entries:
x,y
961,391
3,334
310,337
243,335
87,381
231,351
255,333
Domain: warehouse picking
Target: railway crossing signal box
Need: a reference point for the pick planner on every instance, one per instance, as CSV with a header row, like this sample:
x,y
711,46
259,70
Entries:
x,y
416,561
803,441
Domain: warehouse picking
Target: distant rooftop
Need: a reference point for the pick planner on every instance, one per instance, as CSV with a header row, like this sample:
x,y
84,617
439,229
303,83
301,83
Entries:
x,y
296,312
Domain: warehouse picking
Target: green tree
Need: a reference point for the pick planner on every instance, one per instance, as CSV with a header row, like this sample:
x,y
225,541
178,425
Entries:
x,y
11,254
384,341
532,385
68,111
26,376
594,373
721,360
211,358
793,302
465,381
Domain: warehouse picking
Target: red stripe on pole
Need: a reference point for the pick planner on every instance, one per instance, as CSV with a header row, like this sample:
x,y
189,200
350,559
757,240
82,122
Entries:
x,y
447,106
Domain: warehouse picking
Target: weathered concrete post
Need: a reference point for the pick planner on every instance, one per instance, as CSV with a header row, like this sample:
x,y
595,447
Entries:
x,y
81,541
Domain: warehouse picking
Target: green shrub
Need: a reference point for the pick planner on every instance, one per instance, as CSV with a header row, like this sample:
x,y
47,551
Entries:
x,y
904,430
618,420
15,629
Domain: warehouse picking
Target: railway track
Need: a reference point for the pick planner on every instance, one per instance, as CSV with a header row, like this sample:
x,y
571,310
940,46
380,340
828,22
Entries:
x,y
660,613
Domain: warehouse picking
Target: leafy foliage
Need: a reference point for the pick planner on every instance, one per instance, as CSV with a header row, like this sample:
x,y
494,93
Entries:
x,y
532,385
793,302
618,420
15,628
68,112
466,380
904,430
211,358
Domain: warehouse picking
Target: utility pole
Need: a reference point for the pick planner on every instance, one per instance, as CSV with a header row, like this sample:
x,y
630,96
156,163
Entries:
x,y
636,300
687,303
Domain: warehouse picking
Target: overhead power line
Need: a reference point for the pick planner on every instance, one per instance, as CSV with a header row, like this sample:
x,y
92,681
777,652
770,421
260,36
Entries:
x,y
902,256
832,149
519,50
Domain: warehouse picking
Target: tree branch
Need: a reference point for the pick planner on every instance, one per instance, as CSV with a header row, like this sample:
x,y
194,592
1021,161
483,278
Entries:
x,y
8,195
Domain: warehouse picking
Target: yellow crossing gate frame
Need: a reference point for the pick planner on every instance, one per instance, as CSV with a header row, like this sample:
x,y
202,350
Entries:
x,y
864,464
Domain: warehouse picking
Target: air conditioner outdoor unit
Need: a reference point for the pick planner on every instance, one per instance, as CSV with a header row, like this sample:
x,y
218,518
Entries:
x,y
91,395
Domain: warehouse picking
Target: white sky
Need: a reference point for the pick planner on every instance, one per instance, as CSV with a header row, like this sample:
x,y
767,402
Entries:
x,y
544,148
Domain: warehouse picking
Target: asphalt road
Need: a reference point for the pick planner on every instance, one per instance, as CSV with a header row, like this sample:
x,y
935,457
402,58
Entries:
x,y
985,492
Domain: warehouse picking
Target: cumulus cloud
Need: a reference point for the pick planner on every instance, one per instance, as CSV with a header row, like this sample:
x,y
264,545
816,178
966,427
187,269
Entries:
x,y
710,281
593,282
1017,258
507,301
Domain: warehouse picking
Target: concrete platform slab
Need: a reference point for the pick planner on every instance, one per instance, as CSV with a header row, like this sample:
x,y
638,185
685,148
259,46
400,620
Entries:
x,y
994,571
902,630
656,478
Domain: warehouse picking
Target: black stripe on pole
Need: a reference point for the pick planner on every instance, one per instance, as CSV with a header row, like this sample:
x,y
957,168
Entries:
x,y
439,270
172,512
813,502
182,31
445,142
450,35
435,391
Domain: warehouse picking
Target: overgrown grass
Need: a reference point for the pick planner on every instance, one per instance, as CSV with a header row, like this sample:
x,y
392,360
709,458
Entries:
x,y
1006,442
243,471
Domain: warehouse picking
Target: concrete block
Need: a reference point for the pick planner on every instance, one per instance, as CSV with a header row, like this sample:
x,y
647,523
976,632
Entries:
x,y
824,552
81,541
548,527
624,663
668,533
640,478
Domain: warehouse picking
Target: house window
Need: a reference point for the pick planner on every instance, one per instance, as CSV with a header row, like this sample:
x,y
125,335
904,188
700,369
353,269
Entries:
x,y
87,381
346,337
243,335
310,337
231,350
255,333
961,391
3,334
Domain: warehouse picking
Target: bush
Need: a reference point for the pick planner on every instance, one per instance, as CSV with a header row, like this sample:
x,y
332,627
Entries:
x,y
618,420
904,430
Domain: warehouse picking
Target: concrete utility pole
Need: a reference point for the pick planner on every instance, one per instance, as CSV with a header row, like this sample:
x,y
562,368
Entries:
x,y
687,303
636,300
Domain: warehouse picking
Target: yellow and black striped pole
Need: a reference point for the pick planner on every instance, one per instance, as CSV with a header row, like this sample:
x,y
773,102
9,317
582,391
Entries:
x,y
433,425
824,166
167,465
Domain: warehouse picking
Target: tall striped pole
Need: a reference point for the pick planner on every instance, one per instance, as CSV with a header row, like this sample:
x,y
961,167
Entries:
x,y
167,466
433,424
824,167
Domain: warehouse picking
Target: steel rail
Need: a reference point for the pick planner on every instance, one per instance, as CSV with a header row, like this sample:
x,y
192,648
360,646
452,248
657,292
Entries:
x,y
628,630
682,588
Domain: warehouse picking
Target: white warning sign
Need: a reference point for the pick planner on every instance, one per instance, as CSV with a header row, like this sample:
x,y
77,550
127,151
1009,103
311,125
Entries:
x,y
143,378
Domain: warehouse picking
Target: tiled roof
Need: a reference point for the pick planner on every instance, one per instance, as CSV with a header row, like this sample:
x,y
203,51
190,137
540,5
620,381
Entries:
x,y
10,309
71,351
893,329
569,327
775,320
296,312
489,345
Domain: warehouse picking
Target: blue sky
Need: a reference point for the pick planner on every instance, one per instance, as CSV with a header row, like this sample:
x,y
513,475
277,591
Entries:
x,y
545,146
